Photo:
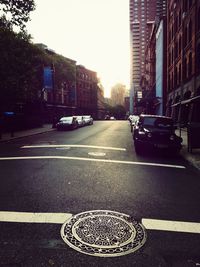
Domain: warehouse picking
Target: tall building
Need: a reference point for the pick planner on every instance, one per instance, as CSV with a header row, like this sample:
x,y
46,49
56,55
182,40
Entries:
x,y
143,14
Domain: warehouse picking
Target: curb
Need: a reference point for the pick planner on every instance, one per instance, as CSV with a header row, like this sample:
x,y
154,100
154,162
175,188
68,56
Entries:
x,y
25,135
190,158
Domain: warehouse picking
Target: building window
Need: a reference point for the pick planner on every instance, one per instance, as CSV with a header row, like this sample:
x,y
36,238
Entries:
x,y
190,3
176,50
169,59
198,17
198,58
179,72
184,68
185,36
169,82
185,5
179,45
190,31
175,77
179,18
190,65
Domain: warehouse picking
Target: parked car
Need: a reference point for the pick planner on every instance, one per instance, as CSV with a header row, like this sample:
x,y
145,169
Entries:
x,y
67,123
107,117
81,121
88,119
155,132
133,120
112,118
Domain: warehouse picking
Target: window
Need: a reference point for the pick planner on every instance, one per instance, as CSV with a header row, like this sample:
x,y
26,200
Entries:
x,y
198,17
185,5
185,36
179,72
190,31
198,57
179,45
190,65
176,50
184,68
190,3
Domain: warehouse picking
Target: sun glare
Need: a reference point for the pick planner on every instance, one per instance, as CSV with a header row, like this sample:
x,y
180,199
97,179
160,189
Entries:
x,y
95,33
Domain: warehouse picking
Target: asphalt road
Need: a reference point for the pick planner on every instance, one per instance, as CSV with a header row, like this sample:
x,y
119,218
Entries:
x,y
95,168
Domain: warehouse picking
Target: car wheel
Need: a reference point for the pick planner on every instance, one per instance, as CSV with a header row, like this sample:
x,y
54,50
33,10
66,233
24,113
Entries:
x,y
138,148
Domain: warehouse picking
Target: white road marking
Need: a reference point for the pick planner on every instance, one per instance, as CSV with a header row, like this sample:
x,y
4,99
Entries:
x,y
97,154
32,217
174,226
78,146
96,160
60,218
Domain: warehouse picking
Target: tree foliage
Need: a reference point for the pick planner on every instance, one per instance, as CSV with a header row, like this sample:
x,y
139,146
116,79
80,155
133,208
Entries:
x,y
21,68
16,12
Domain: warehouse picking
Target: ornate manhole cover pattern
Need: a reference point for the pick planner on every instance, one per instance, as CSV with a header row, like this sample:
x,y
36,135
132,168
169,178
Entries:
x,y
103,233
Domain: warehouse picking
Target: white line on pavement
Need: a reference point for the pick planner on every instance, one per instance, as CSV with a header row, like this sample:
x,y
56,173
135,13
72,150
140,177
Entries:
x,y
96,160
174,226
32,217
60,218
78,146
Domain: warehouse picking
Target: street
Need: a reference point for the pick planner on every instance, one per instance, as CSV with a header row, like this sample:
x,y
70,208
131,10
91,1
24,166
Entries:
x,y
88,169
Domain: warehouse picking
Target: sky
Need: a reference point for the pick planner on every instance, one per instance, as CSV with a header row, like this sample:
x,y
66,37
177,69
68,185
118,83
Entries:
x,y
95,33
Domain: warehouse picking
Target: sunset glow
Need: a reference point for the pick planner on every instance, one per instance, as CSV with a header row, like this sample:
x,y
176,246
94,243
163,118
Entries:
x,y
95,33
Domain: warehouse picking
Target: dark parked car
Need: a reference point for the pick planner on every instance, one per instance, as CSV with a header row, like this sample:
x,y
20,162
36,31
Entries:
x,y
155,132
67,123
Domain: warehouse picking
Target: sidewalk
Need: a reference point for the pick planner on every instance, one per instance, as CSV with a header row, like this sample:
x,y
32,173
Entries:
x,y
194,157
29,132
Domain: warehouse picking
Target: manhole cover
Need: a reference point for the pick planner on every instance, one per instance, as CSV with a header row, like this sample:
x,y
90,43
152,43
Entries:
x,y
103,233
98,154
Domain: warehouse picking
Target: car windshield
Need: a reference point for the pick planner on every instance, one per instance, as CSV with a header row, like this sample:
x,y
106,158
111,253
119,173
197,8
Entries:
x,y
164,123
66,119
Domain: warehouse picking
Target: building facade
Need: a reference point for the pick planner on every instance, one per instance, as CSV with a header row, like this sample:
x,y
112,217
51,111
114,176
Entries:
x,y
86,91
183,46
161,68
143,14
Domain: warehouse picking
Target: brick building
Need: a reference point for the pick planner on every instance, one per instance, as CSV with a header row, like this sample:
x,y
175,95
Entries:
x,y
86,91
183,46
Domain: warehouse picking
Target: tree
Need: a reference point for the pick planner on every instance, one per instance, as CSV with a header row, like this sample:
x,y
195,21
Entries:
x,y
16,12
20,69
